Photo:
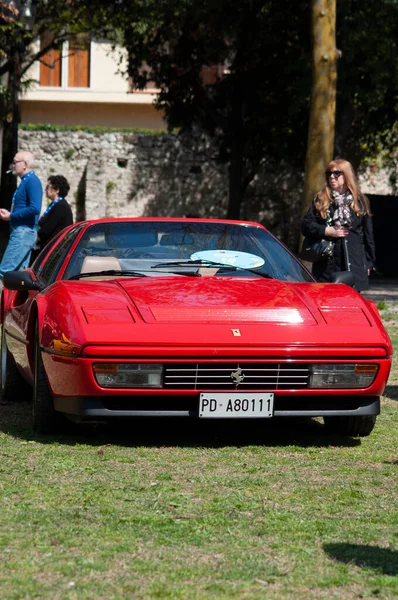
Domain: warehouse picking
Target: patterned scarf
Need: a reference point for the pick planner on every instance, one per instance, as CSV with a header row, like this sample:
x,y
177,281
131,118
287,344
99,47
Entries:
x,y
341,214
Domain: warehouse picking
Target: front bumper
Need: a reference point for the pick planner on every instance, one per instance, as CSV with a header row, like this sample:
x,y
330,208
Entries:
x,y
77,393
93,408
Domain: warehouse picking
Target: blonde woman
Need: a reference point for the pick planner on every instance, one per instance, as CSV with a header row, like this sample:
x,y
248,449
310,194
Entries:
x,y
341,212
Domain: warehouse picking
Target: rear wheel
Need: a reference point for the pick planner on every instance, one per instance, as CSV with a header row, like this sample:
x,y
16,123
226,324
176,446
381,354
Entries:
x,y
12,385
354,426
45,418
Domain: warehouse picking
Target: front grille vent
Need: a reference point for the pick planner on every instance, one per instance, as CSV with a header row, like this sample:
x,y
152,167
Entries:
x,y
236,376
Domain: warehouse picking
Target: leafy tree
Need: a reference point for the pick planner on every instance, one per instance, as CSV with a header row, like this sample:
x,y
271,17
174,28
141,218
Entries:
x,y
21,23
258,106
367,90
367,86
323,97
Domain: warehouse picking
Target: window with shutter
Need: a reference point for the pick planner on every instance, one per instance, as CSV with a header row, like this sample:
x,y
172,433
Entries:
x,y
50,63
79,61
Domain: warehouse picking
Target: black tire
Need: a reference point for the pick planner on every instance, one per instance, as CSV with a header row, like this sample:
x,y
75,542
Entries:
x,y
45,418
12,384
353,426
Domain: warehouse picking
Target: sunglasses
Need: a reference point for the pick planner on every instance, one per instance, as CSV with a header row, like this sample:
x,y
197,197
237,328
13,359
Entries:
x,y
334,173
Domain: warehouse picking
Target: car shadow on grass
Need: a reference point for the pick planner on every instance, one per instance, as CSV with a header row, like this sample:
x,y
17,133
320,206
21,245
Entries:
x,y
391,392
15,420
383,560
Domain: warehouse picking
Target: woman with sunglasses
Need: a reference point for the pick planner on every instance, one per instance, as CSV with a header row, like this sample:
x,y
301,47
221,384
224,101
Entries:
x,y
57,215
341,212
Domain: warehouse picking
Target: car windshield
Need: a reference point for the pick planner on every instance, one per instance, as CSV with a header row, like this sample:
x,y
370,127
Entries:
x,y
182,248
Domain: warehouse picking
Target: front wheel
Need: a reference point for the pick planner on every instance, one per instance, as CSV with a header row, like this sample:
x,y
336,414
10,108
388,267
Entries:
x,y
354,426
45,418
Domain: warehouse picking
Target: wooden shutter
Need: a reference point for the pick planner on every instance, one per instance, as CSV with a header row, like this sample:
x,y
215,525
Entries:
x,y
79,61
50,63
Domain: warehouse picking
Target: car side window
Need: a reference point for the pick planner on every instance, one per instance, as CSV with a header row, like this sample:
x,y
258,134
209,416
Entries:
x,y
50,269
43,254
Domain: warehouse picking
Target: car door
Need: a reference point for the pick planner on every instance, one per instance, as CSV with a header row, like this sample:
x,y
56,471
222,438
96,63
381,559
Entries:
x,y
18,337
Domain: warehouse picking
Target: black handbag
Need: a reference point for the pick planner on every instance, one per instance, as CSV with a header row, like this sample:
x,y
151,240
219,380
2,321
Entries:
x,y
316,250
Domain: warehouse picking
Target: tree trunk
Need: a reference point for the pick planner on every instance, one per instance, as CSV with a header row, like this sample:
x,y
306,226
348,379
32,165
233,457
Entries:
x,y
323,98
235,169
235,180
9,112
3,114
10,122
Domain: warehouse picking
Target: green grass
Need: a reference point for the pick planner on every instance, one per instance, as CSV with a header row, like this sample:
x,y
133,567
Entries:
x,y
188,511
389,312
88,129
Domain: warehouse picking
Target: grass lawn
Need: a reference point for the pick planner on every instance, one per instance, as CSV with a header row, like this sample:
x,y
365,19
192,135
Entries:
x,y
186,510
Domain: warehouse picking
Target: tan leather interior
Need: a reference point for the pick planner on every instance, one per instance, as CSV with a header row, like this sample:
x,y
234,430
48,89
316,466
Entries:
x,y
96,264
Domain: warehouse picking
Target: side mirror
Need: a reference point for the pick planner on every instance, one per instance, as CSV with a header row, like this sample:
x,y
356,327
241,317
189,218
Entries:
x,y
343,277
21,281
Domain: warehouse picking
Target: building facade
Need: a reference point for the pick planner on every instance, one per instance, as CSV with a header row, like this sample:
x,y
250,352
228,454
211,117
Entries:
x,y
82,83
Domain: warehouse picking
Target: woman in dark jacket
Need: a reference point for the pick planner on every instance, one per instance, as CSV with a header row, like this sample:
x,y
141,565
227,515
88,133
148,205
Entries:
x,y
341,212
58,213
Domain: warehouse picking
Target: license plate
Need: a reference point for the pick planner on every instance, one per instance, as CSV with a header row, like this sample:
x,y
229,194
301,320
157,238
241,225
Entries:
x,y
240,405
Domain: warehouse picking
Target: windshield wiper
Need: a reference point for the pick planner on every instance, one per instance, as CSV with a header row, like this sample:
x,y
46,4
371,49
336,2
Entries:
x,y
109,272
190,263
211,263
130,274
186,273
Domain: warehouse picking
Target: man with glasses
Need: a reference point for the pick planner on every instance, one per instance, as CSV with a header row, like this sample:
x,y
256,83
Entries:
x,y
23,215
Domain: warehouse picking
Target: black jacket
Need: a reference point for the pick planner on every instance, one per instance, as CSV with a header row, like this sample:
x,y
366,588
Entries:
x,y
55,220
360,245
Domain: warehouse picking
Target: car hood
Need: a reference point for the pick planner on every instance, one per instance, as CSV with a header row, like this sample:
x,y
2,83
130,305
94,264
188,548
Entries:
x,y
216,300
210,312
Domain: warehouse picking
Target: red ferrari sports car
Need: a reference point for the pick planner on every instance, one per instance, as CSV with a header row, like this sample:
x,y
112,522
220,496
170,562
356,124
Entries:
x,y
207,319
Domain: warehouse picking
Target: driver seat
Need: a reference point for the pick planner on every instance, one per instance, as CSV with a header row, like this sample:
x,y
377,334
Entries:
x,y
96,264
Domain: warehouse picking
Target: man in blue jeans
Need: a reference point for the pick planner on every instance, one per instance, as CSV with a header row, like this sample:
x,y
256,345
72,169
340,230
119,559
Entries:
x,y
23,216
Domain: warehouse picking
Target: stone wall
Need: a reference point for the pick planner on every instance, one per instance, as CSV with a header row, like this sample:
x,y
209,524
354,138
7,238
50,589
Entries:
x,y
124,174
119,174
